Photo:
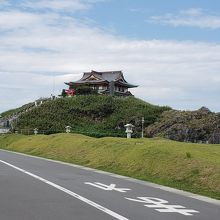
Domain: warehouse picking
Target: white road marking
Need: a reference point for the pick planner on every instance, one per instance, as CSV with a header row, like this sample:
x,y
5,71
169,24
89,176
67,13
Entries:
x,y
144,183
160,205
110,187
97,206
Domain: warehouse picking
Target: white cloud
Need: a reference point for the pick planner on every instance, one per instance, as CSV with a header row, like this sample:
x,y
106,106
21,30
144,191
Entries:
x,y
17,20
3,3
53,46
60,5
193,17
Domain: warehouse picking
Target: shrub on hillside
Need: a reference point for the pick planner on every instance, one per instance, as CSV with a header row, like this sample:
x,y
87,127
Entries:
x,y
99,114
85,90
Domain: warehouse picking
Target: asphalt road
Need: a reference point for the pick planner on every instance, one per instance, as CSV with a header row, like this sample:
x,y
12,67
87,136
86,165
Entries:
x,y
33,188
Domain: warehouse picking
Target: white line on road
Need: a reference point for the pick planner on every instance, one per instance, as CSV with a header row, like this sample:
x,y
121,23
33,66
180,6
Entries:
x,y
144,183
97,206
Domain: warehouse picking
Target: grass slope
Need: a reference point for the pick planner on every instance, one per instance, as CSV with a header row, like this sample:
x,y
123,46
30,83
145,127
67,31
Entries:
x,y
191,167
90,114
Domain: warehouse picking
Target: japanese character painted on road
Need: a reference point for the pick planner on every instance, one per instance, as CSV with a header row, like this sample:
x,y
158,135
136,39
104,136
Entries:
x,y
161,205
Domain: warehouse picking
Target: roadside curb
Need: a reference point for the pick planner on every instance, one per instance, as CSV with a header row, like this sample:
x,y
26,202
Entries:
x,y
146,183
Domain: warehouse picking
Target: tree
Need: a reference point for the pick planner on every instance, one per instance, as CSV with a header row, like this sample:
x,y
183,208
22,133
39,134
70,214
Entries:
x,y
85,90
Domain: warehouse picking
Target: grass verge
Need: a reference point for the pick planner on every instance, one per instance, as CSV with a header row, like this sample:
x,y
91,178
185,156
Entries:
x,y
186,166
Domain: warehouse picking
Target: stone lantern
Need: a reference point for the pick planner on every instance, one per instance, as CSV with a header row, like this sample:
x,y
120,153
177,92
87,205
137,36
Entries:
x,y
129,130
35,131
68,129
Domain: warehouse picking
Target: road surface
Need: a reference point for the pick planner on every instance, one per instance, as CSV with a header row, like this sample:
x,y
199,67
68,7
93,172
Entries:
x,y
35,188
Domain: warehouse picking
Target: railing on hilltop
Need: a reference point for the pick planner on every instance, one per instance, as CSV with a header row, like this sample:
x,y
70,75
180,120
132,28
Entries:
x,y
11,120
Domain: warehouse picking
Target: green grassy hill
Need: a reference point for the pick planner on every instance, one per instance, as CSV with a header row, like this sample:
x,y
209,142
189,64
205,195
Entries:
x,y
95,115
187,166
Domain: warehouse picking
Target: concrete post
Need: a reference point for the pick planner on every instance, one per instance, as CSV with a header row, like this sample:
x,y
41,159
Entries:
x,y
142,127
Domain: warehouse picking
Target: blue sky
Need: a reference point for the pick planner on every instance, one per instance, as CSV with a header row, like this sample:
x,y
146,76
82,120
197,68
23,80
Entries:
x,y
170,48
133,19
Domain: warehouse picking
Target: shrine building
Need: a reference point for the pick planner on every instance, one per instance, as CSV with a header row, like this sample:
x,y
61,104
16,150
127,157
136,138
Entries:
x,y
111,82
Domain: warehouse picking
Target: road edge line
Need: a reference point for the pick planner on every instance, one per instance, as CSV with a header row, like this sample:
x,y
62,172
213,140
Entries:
x,y
146,183
71,193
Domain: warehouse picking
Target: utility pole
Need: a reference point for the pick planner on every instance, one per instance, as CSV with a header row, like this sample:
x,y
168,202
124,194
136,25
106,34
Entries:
x,y
142,129
53,86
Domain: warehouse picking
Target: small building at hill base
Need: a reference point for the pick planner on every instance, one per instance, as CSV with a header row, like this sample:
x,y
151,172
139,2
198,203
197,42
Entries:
x,y
110,82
